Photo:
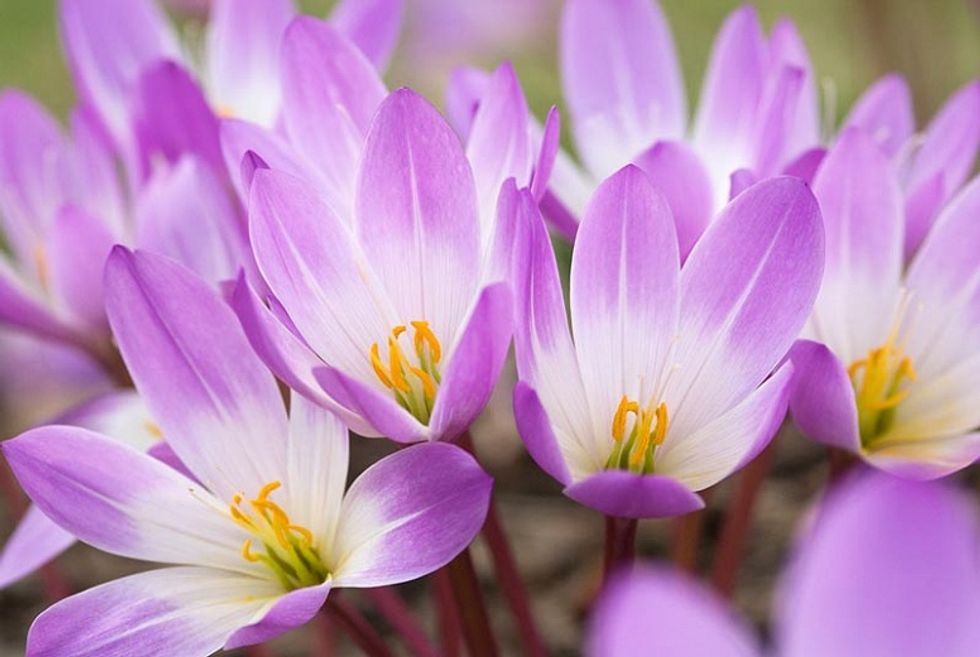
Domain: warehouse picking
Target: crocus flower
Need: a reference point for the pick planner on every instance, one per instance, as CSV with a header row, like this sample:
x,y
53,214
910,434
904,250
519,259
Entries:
x,y
893,364
110,43
758,108
327,111
669,385
261,528
932,166
387,321
888,569
63,206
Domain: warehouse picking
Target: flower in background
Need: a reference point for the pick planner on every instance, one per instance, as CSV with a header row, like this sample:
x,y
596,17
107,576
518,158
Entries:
x,y
758,109
932,166
388,320
888,569
669,385
63,206
327,111
893,366
260,528
110,43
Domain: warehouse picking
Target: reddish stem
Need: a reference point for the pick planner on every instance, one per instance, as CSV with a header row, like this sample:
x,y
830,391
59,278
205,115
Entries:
x,y
688,531
620,543
477,631
257,651
449,621
357,627
508,574
390,604
325,636
737,520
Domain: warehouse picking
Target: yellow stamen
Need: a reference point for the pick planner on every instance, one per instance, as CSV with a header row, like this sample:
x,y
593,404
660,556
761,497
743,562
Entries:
x,y
289,549
425,337
414,384
396,358
379,368
649,432
879,383
622,414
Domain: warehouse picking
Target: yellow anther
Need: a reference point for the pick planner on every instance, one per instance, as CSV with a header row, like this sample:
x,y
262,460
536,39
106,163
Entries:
x,y
414,385
425,337
396,359
295,563
268,488
153,429
379,368
878,380
661,432
305,533
634,449
622,414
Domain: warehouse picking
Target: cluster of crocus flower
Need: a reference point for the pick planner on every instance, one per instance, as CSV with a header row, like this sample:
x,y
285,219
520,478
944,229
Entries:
x,y
266,250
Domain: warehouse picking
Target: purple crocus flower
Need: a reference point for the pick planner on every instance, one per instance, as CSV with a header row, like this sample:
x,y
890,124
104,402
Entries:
x,y
389,321
261,528
758,108
888,569
110,43
327,111
669,385
63,206
931,167
893,366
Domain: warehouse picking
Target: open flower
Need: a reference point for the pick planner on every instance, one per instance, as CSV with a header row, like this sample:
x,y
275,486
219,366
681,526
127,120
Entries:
x,y
893,367
888,569
327,112
758,108
264,529
63,206
668,386
931,167
386,321
110,44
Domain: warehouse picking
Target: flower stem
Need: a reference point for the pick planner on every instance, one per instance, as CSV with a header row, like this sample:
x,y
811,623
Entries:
x,y
508,574
357,627
472,609
737,521
325,636
688,531
390,605
449,621
620,543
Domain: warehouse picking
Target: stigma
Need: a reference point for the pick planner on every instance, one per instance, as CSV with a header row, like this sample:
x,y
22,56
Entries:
x,y
412,373
881,382
634,450
286,549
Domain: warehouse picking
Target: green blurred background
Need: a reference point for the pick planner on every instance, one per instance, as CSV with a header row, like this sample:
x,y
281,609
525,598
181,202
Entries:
x,y
935,43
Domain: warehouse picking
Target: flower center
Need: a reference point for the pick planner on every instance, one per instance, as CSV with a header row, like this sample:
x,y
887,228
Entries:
x,y
878,381
633,451
414,385
287,549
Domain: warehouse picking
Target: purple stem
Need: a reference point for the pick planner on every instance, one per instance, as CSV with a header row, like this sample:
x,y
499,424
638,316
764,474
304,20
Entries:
x,y
390,605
